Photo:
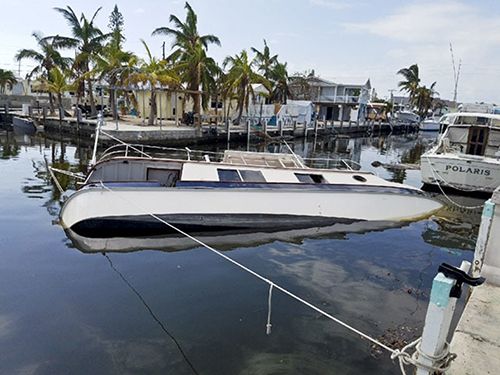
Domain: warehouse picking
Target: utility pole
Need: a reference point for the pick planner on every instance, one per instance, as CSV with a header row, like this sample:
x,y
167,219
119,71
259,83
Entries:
x,y
163,50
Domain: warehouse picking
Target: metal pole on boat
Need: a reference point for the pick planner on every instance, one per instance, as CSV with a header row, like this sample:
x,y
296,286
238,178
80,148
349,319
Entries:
x,y
96,137
248,134
161,91
116,108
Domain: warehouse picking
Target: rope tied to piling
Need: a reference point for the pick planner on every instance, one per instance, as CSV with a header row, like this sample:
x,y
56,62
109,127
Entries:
x,y
442,361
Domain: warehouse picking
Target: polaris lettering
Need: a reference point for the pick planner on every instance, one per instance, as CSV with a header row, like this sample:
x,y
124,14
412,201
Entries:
x,y
471,170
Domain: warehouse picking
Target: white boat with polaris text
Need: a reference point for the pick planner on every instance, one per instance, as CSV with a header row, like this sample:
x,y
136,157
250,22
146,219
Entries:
x,y
467,155
136,194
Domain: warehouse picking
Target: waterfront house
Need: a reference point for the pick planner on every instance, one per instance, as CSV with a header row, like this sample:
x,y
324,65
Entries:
x,y
333,101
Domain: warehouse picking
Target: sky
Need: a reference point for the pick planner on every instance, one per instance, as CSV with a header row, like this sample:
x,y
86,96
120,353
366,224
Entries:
x,y
344,41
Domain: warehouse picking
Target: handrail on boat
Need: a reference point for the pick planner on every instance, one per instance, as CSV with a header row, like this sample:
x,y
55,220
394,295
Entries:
x,y
189,155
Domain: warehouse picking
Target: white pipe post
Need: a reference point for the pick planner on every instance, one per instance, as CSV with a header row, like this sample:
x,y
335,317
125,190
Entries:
x,y
482,237
176,110
438,319
96,140
248,135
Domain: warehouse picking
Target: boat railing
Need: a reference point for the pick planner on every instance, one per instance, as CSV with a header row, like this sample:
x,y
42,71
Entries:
x,y
149,151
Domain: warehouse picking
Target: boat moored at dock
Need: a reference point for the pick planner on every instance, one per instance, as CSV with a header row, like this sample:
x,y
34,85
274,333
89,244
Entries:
x,y
467,156
135,195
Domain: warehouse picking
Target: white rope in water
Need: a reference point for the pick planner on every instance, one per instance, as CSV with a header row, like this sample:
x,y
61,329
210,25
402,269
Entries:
x,y
269,306
434,173
404,358
267,281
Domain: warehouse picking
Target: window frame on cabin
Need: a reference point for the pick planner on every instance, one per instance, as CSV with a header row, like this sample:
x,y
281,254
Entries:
x,y
310,178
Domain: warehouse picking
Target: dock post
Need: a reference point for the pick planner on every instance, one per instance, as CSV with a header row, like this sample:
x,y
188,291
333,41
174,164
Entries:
x,y
438,320
482,237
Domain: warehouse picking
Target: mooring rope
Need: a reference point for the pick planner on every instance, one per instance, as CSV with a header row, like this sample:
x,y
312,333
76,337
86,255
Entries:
x,y
257,275
443,360
434,173
153,315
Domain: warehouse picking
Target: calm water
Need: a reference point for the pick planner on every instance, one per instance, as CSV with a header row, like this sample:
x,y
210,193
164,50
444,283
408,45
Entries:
x,y
64,311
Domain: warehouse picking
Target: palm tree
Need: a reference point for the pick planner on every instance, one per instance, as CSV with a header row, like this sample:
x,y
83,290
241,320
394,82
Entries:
x,y
153,73
240,77
46,57
411,80
279,77
58,83
7,80
265,62
113,65
423,99
88,39
195,66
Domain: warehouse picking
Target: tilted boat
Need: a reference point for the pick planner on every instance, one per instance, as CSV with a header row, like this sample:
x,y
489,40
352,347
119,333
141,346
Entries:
x,y
467,156
131,195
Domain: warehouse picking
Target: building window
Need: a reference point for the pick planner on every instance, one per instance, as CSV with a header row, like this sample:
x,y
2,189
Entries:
x,y
228,175
310,178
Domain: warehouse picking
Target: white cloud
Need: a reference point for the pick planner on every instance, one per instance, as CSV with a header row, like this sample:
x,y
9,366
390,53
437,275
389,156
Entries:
x,y
421,33
139,11
333,4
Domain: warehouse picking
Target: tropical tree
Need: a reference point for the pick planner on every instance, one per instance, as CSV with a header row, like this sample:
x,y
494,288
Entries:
x,y
58,83
114,65
116,23
411,80
423,99
240,77
194,66
280,83
153,73
88,39
46,57
7,80
264,61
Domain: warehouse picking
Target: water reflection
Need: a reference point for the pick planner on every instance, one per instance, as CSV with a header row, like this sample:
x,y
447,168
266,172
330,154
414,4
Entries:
x,y
376,279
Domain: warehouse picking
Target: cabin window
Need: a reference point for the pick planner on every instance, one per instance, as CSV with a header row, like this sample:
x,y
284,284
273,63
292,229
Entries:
x,y
310,178
166,177
252,176
478,137
359,178
228,175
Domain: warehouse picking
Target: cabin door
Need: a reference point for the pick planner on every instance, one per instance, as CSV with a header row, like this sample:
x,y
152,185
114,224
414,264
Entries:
x,y
478,138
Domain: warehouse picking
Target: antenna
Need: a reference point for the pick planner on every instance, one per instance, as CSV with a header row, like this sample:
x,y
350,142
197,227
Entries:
x,y
456,73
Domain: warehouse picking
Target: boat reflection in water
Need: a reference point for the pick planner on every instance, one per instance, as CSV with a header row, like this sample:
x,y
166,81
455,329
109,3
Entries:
x,y
222,240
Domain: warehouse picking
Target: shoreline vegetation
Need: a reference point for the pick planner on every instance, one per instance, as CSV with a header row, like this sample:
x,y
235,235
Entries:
x,y
101,63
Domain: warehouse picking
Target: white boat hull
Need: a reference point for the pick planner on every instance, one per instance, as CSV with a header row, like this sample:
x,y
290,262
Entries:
x,y
97,209
464,172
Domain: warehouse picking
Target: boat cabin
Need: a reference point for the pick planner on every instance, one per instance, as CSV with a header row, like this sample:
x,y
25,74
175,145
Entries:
x,y
238,168
475,134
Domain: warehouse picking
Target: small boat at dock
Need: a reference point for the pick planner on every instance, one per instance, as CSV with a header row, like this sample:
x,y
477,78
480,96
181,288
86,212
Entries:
x,y
131,195
430,124
467,155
